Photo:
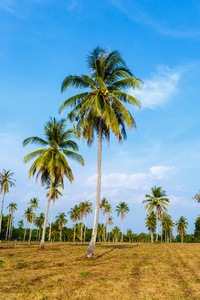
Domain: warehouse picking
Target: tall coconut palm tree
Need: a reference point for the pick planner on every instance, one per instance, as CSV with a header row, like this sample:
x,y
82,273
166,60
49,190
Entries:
x,y
34,205
28,214
101,109
39,221
52,158
87,210
74,214
159,201
6,181
12,207
182,225
151,223
61,220
122,209
54,196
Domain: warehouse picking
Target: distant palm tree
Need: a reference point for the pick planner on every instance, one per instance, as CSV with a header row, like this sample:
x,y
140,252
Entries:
x,y
115,233
39,221
151,223
102,206
101,109
6,181
87,210
28,215
122,209
33,205
181,226
74,216
55,195
108,210
61,220
12,207
52,158
110,223
159,201
129,234
81,212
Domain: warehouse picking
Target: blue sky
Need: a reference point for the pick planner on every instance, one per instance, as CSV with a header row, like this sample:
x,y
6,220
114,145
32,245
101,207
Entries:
x,y
42,41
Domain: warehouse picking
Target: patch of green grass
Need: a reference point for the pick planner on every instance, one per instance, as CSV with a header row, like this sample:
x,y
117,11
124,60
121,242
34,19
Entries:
x,y
1,263
86,273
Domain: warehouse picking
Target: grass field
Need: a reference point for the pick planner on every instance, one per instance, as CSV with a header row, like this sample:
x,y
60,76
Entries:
x,y
118,271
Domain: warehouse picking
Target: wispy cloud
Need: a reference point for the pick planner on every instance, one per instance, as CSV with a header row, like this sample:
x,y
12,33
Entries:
x,y
158,89
137,14
135,181
7,5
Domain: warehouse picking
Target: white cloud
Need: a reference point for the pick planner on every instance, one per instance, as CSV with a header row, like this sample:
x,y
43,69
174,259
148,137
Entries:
x,y
159,89
137,181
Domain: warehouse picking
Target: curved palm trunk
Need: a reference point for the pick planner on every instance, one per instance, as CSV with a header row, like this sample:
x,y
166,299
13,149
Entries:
x,y
85,227
1,211
8,223
107,233
81,230
51,220
90,250
60,235
46,215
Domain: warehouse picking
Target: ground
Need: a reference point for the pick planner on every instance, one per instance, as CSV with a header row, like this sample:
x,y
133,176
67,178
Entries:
x,y
117,271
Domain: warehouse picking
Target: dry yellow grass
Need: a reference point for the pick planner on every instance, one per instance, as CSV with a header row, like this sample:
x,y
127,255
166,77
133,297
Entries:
x,y
118,271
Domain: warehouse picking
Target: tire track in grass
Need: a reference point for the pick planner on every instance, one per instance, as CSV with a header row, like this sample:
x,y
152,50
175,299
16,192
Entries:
x,y
175,263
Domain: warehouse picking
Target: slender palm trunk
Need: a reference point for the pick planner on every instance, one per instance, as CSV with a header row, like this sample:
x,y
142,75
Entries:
x,y
151,235
103,227
39,234
107,233
74,231
25,232
85,227
8,223
81,230
170,238
10,228
51,220
156,224
46,215
181,236
90,250
122,228
1,211
60,235
31,229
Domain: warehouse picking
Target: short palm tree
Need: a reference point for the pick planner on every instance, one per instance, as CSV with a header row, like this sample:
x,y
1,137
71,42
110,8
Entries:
x,y
33,205
115,233
151,223
74,214
159,201
102,206
39,221
28,214
55,193
6,181
12,207
87,210
81,212
107,210
122,209
110,223
182,225
61,220
101,109
52,159
129,234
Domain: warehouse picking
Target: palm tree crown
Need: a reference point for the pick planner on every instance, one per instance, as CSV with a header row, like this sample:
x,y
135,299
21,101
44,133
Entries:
x,y
6,181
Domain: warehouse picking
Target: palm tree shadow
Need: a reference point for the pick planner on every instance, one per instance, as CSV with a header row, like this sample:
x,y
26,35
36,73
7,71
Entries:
x,y
99,256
